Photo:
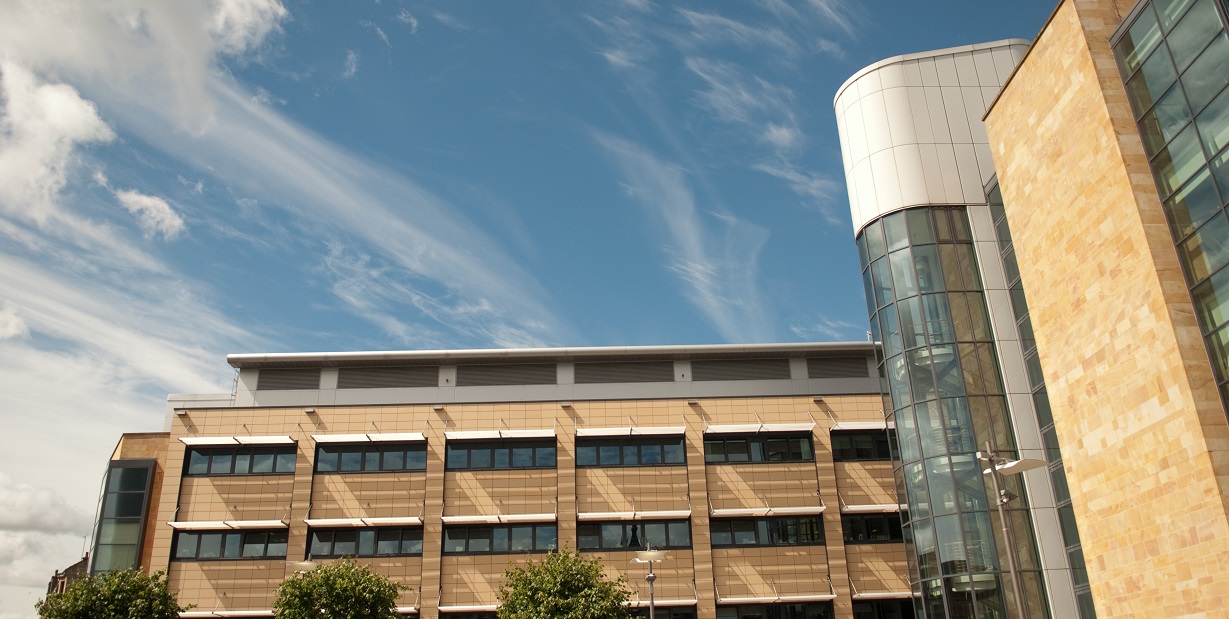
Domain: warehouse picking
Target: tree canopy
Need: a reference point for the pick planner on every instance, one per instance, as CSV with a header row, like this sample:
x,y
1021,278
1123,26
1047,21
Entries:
x,y
564,585
127,594
339,590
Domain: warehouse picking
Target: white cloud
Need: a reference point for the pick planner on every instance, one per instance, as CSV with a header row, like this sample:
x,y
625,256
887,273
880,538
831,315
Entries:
x,y
764,108
826,328
379,32
263,96
449,20
240,25
630,47
836,12
830,47
41,126
714,253
30,508
351,66
708,28
782,136
153,214
11,324
819,190
407,18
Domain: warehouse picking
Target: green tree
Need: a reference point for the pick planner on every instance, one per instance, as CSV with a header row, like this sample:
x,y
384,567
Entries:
x,y
340,590
127,594
564,585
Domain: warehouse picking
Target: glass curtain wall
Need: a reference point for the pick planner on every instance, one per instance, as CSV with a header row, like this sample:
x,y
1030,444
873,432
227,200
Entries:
x,y
1174,59
941,373
1041,404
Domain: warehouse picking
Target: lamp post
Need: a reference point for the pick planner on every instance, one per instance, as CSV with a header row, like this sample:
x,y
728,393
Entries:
x,y
648,555
1002,496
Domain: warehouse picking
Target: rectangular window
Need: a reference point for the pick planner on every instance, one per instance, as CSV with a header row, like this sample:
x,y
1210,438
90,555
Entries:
x,y
371,457
668,612
228,545
508,454
883,609
792,531
769,447
258,460
871,528
816,610
370,542
500,539
855,445
656,451
633,535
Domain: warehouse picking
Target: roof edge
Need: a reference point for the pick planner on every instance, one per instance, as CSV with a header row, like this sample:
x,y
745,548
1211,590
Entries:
x,y
928,54
324,358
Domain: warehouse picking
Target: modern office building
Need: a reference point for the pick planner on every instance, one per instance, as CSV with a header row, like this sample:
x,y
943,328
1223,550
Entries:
x,y
1081,233
764,472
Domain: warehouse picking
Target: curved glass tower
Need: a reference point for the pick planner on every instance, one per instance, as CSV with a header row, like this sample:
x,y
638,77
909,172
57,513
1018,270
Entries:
x,y
917,163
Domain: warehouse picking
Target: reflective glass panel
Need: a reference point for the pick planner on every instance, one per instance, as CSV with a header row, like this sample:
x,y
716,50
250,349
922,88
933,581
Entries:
x,y
1194,203
1207,249
1213,123
1178,162
1212,301
1207,75
1193,32
1153,79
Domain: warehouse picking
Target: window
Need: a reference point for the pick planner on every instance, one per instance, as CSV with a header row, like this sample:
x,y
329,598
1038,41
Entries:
x,y
229,545
821,610
500,539
267,460
668,612
624,535
871,528
511,454
852,446
794,531
121,524
720,449
373,542
630,452
883,609
371,457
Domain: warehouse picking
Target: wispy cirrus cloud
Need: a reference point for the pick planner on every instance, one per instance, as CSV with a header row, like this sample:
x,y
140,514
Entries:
x,y
838,13
406,17
351,65
714,253
732,96
710,28
449,20
825,328
11,324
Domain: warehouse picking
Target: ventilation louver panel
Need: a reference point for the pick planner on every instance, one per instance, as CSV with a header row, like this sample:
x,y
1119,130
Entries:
x,y
838,367
509,374
288,379
387,377
743,369
640,372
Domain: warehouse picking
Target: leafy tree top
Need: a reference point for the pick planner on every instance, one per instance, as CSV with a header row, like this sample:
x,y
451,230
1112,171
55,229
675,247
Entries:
x,y
339,590
564,585
127,594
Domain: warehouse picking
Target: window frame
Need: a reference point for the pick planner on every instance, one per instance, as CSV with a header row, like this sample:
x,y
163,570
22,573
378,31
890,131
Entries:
x,y
891,524
883,445
364,450
626,535
493,447
760,440
196,537
597,443
765,526
405,535
248,451
493,546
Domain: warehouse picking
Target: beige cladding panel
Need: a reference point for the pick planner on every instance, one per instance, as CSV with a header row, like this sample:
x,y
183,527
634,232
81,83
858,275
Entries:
x,y
674,574
478,493
227,585
368,495
877,568
1143,433
866,483
641,489
261,497
769,572
746,486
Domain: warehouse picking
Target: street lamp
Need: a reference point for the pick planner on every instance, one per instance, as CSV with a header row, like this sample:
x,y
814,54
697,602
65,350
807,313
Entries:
x,y
1001,497
648,555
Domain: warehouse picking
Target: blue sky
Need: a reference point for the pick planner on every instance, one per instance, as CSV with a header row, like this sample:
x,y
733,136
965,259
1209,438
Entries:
x,y
179,181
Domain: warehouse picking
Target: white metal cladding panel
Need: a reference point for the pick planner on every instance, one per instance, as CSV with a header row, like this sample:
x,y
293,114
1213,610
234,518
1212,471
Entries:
x,y
899,123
